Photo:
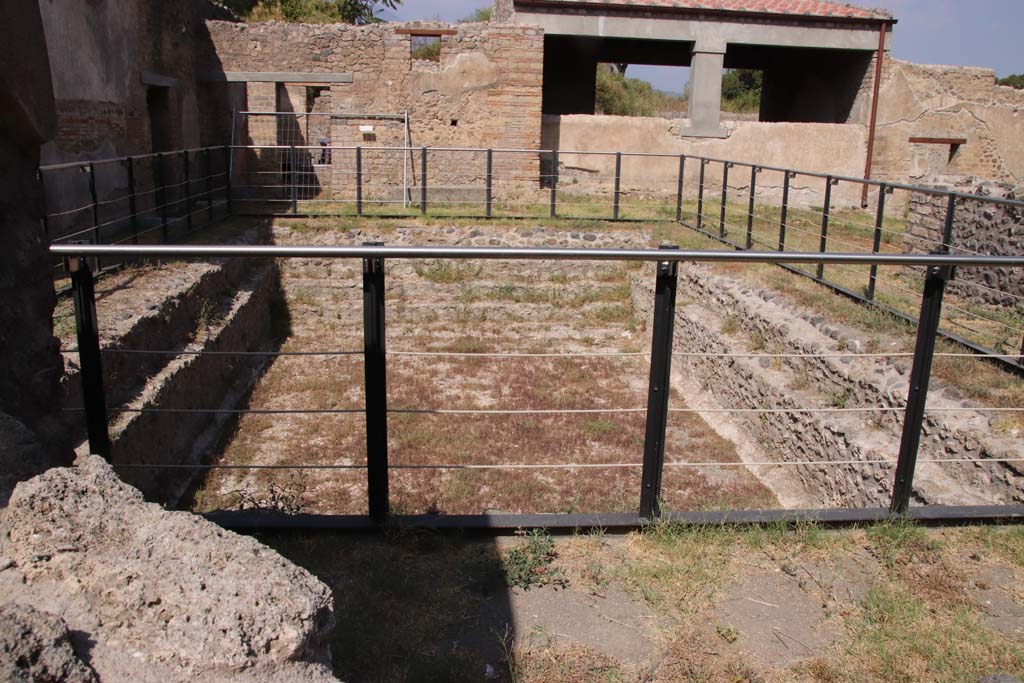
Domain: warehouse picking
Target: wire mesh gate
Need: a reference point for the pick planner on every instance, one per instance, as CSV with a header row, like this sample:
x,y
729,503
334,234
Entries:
x,y
939,270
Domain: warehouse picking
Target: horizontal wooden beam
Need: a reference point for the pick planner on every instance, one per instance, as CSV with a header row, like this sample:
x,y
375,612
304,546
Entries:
x,y
939,141
425,31
274,77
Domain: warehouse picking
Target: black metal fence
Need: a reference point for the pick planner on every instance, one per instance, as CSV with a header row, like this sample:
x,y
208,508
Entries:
x,y
143,199
938,271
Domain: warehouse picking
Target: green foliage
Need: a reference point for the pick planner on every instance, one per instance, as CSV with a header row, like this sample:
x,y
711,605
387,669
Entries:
x,y
741,90
426,47
1014,81
620,96
528,563
481,14
313,11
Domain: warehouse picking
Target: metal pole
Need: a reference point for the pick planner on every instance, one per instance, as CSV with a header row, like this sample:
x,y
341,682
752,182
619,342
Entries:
x,y
679,189
405,165
161,194
658,387
879,216
700,195
132,208
554,182
618,185
228,165
46,209
489,190
89,358
924,351
95,212
209,195
423,180
188,194
725,196
375,368
292,180
359,180
823,244
947,232
750,207
785,211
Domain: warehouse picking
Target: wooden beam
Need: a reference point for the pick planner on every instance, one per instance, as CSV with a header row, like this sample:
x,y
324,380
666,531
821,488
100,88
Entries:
x,y
939,141
425,31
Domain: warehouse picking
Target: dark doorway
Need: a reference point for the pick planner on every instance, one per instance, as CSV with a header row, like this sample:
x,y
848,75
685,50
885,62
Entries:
x,y
158,106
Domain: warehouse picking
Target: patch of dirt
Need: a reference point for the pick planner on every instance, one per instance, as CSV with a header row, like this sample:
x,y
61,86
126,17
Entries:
x,y
998,591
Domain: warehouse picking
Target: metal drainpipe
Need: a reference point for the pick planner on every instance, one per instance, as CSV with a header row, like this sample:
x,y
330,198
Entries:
x,y
874,111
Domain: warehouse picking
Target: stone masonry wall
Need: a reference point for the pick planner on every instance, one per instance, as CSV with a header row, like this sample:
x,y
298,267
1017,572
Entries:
x,y
979,227
485,90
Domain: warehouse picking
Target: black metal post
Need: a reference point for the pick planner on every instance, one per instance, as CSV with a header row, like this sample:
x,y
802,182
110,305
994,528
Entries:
x,y
423,180
46,209
618,185
292,158
132,208
89,359
924,352
95,211
679,189
826,211
785,211
375,368
489,190
188,193
725,196
947,232
877,243
208,169
161,194
750,207
658,387
359,180
554,182
700,194
227,176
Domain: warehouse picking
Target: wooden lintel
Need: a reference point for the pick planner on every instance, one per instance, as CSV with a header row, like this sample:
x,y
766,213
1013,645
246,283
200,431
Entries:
x,y
425,31
939,141
274,77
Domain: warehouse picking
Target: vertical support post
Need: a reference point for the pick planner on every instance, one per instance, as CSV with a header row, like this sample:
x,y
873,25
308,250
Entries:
x,y
700,194
554,182
658,386
46,209
826,211
161,195
750,207
877,243
375,369
91,364
947,231
785,211
132,208
618,185
95,211
292,179
208,170
359,180
924,352
489,190
227,176
188,193
725,196
423,180
679,189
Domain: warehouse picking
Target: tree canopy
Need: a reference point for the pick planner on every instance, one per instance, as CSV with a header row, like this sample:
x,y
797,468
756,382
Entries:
x,y
1014,81
345,11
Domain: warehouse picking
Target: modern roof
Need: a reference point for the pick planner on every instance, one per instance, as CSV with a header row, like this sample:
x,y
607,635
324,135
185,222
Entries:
x,y
812,9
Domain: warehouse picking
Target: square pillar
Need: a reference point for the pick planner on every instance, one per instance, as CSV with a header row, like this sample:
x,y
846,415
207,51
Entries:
x,y
706,71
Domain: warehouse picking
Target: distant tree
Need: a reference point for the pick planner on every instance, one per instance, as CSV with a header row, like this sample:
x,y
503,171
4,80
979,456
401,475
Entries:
x,y
344,11
1014,81
481,14
741,90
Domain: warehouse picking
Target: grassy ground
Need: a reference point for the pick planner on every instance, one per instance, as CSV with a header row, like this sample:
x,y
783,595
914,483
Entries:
x,y
898,603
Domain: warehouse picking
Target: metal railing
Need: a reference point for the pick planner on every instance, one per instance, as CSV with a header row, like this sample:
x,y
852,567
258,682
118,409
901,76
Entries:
x,y
939,270
161,197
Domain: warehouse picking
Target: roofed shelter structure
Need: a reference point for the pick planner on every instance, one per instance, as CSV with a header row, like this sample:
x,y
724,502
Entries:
x,y
816,56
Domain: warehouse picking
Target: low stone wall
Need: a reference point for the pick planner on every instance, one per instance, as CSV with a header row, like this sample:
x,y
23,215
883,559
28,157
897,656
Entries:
x,y
979,227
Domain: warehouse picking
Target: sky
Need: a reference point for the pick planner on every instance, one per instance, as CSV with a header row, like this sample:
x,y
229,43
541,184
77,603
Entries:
x,y
961,32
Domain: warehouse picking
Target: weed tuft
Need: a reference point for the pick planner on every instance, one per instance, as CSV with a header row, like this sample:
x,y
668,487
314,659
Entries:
x,y
528,563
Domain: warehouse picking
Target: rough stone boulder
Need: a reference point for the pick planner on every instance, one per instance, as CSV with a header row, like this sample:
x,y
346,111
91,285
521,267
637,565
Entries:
x,y
152,595
21,455
35,647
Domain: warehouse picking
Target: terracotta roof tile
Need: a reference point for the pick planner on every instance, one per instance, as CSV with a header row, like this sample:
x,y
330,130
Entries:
x,y
807,8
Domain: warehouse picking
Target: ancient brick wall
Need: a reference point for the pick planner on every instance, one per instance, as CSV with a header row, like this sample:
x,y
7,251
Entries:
x,y
483,91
